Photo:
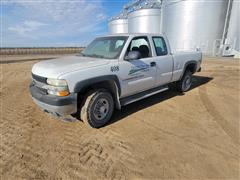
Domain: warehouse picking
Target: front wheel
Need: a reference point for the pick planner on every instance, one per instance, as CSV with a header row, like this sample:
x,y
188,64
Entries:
x,y
97,108
185,83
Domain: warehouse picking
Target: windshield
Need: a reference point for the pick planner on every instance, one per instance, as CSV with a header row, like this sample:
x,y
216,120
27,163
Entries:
x,y
105,47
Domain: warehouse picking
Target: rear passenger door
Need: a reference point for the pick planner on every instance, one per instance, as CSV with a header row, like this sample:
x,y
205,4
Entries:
x,y
164,61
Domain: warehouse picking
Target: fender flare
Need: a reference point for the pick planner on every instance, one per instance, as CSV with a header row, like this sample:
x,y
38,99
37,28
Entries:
x,y
188,63
81,85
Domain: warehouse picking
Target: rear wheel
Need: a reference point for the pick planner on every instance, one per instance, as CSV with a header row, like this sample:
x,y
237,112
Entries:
x,y
97,108
186,82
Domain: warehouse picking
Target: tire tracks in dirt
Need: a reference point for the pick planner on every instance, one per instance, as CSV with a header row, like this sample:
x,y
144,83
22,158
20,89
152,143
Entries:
x,y
19,158
217,149
230,130
16,148
102,151
31,158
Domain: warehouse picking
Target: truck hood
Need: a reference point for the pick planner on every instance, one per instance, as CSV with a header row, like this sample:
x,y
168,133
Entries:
x,y
56,67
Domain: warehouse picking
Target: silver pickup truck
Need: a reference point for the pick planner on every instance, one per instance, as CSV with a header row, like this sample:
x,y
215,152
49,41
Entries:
x,y
111,72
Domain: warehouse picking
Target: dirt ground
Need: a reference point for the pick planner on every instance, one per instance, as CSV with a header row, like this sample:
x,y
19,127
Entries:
x,y
167,136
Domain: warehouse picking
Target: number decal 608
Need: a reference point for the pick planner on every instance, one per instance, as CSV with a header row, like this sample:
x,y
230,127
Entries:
x,y
114,68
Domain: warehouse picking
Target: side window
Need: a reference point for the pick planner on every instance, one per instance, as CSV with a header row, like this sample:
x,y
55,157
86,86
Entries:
x,y
140,44
160,46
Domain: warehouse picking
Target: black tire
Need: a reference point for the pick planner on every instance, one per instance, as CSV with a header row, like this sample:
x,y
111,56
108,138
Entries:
x,y
97,108
185,83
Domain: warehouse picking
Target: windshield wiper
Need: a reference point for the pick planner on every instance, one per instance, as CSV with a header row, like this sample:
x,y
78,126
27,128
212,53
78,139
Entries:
x,y
82,54
92,55
96,55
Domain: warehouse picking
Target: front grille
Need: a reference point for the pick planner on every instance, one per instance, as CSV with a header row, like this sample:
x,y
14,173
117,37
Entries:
x,y
39,78
42,91
39,82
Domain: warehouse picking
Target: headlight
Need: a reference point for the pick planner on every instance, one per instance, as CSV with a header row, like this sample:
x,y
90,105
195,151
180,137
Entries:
x,y
57,82
57,87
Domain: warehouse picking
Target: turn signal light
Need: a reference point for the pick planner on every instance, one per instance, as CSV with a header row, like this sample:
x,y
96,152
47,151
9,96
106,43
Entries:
x,y
63,93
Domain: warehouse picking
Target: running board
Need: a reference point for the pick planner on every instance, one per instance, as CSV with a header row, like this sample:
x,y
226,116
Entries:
x,y
136,97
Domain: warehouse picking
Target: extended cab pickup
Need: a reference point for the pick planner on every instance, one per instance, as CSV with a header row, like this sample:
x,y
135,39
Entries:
x,y
111,72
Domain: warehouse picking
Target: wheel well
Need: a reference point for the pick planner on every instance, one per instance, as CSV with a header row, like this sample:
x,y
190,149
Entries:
x,y
191,67
107,85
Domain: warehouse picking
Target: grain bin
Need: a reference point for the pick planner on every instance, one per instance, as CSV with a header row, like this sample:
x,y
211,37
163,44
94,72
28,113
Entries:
x,y
145,21
118,24
233,35
191,24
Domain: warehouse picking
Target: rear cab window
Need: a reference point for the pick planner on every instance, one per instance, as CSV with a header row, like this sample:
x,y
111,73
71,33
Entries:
x,y
160,46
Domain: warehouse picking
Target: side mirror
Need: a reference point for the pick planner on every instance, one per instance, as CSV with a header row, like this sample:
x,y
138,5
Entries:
x,y
133,55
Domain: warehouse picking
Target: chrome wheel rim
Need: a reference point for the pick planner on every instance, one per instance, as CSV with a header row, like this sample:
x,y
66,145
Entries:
x,y
101,109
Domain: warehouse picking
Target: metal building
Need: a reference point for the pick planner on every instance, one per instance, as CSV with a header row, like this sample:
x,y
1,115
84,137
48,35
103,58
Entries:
x,y
191,24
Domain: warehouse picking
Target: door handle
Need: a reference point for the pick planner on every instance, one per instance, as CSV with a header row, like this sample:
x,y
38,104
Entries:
x,y
152,64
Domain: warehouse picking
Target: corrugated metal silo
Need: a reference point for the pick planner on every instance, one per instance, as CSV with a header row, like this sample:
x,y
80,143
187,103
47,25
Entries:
x,y
118,26
191,24
233,35
145,21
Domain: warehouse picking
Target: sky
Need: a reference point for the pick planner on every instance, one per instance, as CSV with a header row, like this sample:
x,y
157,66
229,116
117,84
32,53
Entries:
x,y
55,23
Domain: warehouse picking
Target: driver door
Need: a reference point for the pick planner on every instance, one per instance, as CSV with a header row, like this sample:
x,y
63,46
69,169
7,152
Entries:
x,y
139,74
